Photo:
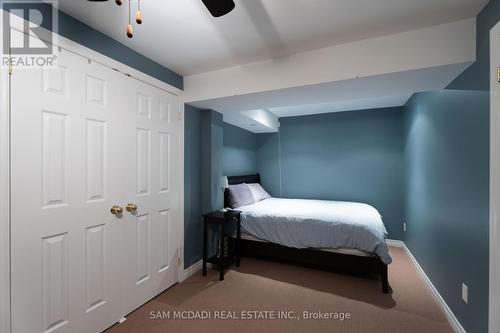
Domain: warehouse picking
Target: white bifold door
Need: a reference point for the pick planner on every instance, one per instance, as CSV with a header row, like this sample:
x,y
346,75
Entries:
x,y
86,138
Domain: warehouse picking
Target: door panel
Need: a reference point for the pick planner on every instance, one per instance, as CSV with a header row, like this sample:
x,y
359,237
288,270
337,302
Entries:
x,y
152,232
44,196
55,277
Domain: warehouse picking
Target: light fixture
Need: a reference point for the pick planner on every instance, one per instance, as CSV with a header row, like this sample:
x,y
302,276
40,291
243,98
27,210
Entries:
x,y
216,7
130,30
138,15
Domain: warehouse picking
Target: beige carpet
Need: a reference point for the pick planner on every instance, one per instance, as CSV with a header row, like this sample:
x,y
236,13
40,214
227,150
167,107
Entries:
x,y
263,285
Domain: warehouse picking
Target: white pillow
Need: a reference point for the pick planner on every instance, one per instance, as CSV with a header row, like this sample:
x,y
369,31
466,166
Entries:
x,y
258,193
240,195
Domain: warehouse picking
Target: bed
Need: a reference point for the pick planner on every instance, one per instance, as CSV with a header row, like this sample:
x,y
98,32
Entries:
x,y
346,237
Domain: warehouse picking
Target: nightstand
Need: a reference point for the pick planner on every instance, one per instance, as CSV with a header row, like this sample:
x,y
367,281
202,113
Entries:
x,y
223,220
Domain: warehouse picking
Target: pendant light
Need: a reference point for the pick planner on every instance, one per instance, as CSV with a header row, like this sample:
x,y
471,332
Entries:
x,y
138,15
216,7
130,30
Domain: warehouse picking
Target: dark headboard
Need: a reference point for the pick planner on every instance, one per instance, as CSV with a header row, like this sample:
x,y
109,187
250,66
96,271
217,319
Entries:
x,y
234,180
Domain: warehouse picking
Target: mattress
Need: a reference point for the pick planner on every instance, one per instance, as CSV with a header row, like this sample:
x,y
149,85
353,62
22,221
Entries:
x,y
320,224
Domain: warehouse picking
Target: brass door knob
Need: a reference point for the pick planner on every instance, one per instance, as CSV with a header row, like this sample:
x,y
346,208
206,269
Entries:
x,y
116,210
131,207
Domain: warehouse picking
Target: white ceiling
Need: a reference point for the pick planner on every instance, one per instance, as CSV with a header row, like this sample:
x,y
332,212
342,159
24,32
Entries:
x,y
181,34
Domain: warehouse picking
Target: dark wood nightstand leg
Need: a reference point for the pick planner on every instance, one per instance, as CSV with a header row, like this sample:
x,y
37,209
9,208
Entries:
x,y
205,238
222,249
385,281
238,242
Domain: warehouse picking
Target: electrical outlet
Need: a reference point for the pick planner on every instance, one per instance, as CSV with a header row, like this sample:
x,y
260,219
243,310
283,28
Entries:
x,y
404,226
465,293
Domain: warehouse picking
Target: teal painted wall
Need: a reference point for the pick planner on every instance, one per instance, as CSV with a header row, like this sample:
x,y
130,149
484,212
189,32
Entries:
x,y
239,151
192,186
203,152
447,187
212,131
211,160
447,196
268,163
345,156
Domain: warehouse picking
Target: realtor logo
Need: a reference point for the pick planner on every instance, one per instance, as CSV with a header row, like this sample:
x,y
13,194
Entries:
x,y
28,32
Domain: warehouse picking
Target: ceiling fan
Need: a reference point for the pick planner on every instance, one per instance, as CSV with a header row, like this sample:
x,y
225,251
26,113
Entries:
x,y
217,8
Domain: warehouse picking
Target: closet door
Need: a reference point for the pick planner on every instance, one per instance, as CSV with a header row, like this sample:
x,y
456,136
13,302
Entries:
x,y
67,172
153,186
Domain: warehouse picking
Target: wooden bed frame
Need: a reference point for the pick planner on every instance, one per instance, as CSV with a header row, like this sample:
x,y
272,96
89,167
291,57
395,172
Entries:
x,y
366,266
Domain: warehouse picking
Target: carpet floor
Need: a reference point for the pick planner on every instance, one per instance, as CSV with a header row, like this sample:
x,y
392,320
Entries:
x,y
300,293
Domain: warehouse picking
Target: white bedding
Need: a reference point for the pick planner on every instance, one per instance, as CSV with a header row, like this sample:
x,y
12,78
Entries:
x,y
318,224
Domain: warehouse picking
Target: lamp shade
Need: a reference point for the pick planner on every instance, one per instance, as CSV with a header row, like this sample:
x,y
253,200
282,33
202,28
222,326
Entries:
x,y
225,182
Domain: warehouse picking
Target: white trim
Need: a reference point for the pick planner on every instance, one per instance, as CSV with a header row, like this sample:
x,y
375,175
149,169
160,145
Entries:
x,y
494,283
4,203
181,189
394,243
193,269
455,324
95,56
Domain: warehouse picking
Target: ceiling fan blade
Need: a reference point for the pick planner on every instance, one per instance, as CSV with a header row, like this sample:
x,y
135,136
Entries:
x,y
219,8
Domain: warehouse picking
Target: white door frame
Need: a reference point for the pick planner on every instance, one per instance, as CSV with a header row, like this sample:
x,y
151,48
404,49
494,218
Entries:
x,y
4,203
494,285
92,55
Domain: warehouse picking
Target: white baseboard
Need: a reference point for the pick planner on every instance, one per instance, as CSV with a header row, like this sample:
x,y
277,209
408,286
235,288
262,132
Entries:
x,y
455,324
191,270
394,243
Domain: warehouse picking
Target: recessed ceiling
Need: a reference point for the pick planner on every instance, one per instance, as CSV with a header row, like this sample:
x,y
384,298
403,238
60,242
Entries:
x,y
183,36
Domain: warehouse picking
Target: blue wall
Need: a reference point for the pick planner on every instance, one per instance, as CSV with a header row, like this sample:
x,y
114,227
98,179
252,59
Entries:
x,y
268,163
447,197
192,186
447,190
202,176
240,151
346,156
211,160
